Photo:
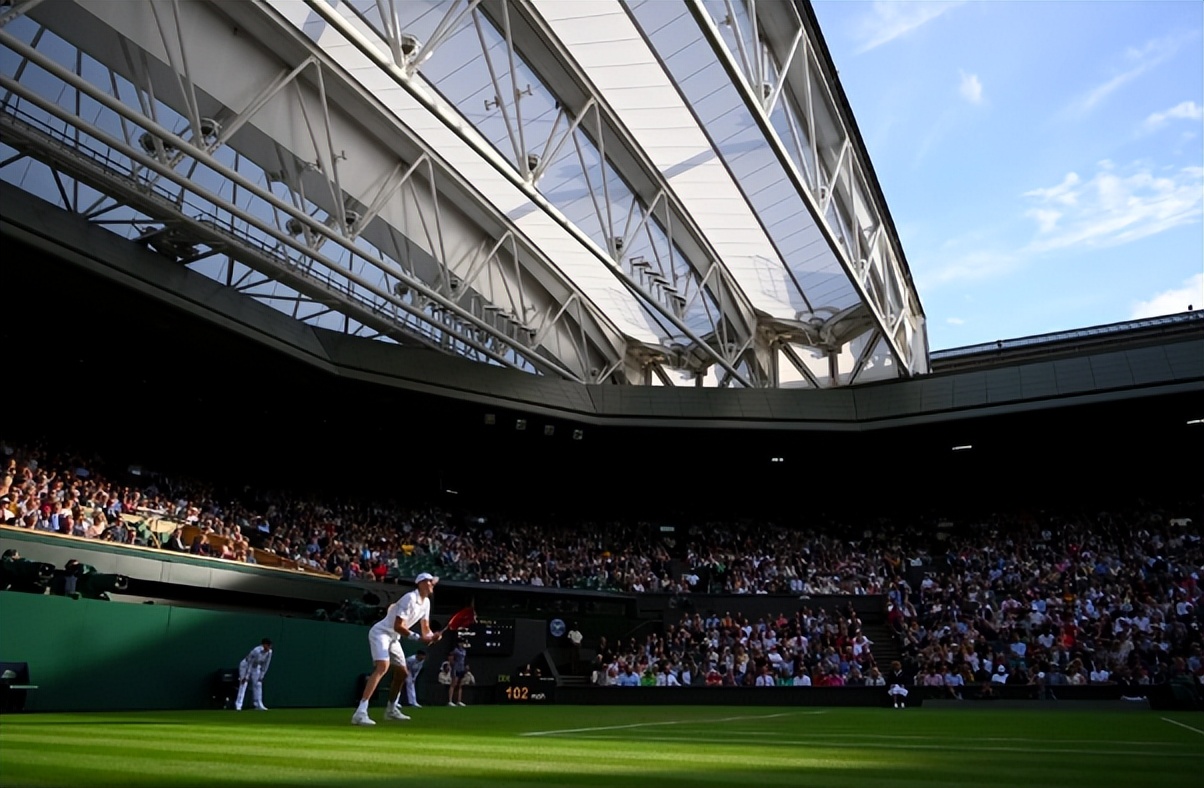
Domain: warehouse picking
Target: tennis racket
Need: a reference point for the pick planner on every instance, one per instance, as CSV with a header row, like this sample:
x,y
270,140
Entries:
x,y
465,617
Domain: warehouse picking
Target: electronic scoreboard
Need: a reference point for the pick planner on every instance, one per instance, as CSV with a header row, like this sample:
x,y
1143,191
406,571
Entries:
x,y
488,637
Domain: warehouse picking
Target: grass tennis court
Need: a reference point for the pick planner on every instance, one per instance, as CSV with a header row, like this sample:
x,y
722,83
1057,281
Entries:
x,y
498,746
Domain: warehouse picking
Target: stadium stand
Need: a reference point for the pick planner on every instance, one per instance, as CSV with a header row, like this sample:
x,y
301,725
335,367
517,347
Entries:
x,y
210,399
1050,600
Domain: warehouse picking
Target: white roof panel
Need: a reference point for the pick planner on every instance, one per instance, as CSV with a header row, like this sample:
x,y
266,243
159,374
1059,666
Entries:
x,y
775,202
646,102
541,224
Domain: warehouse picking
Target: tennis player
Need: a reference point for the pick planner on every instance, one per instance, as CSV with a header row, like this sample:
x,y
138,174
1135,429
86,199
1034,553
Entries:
x,y
384,641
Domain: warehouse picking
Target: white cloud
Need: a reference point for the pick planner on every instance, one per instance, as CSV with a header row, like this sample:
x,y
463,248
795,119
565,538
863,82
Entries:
x,y
890,20
1171,302
1187,110
1139,61
975,265
1062,194
970,88
1047,220
955,321
1114,208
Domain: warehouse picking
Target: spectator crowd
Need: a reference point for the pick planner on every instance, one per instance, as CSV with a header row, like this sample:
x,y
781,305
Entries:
x,y
804,648
1037,598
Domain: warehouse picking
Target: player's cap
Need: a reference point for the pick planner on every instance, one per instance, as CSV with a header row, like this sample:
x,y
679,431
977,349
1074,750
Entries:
x,y
426,576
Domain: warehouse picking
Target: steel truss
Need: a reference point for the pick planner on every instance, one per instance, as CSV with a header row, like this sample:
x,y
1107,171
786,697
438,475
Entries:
x,y
773,50
433,173
632,223
236,195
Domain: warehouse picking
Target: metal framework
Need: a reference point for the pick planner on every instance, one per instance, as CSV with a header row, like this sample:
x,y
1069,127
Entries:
x,y
489,178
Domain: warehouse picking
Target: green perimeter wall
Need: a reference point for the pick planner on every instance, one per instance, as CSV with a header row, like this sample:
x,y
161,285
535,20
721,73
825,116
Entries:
x,y
95,655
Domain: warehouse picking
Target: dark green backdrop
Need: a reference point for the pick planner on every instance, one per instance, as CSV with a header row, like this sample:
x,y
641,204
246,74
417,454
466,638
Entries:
x,y
95,655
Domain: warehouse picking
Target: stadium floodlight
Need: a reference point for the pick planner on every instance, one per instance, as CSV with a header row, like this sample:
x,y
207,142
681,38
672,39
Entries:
x,y
410,45
210,128
150,143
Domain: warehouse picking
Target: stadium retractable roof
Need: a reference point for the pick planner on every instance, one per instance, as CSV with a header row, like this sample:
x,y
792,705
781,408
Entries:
x,y
601,191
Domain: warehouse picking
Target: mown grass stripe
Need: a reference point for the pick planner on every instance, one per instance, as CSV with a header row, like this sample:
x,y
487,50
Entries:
x,y
717,721
652,747
941,746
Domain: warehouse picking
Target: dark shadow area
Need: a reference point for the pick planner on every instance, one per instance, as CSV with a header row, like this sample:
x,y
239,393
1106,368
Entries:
x,y
167,390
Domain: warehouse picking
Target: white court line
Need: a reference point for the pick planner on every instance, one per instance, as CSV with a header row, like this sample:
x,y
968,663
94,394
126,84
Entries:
x,y
1181,725
908,746
923,737
665,722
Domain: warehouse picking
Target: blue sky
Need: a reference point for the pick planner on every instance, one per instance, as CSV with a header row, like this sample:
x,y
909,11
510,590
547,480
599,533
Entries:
x,y
1043,161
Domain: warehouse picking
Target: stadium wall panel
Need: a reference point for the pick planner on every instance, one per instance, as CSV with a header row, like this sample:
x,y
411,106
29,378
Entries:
x,y
95,655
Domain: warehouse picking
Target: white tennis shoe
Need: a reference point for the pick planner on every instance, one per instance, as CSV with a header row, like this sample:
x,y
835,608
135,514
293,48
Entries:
x,y
361,718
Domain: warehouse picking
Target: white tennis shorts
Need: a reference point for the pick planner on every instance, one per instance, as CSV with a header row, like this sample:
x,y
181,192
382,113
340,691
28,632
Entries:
x,y
386,646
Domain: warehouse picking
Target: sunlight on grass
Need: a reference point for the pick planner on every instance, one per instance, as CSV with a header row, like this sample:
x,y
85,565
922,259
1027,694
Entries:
x,y
599,747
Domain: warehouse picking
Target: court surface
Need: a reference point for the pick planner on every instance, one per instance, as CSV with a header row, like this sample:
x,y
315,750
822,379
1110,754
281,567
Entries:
x,y
498,746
